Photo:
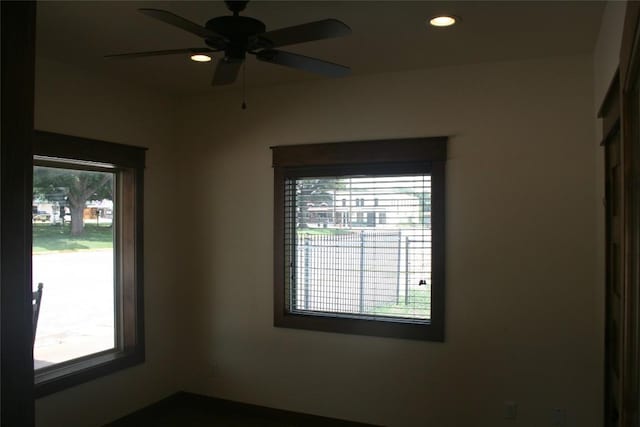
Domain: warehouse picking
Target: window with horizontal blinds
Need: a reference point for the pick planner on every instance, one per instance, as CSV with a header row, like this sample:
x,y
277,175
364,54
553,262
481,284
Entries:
x,y
359,237
359,246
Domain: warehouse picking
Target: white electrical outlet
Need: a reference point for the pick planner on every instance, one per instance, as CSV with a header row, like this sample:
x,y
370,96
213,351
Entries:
x,y
510,410
558,417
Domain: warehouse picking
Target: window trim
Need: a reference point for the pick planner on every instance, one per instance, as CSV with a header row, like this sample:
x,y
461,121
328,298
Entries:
x,y
128,163
421,155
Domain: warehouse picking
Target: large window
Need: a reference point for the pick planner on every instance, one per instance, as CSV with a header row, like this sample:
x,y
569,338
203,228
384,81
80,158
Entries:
x,y
359,237
86,259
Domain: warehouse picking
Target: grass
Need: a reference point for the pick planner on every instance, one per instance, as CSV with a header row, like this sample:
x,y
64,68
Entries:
x,y
49,237
322,231
419,306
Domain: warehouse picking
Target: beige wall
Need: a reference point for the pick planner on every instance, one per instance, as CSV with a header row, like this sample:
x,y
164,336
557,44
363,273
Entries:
x,y
606,55
521,323
70,101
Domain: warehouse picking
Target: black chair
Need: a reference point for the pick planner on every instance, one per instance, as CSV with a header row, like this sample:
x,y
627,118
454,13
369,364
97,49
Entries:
x,y
35,301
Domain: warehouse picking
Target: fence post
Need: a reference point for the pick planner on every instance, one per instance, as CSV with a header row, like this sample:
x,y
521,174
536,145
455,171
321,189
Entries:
x,y
307,251
398,267
361,302
406,273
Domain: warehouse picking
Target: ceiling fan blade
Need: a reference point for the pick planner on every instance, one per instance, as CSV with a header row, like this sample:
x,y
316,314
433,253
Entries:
x,y
318,30
159,53
226,72
182,23
305,63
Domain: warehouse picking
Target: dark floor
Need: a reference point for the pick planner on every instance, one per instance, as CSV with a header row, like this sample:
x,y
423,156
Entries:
x,y
192,410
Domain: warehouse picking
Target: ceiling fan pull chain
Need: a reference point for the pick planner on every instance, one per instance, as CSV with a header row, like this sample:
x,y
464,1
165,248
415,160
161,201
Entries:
x,y
244,78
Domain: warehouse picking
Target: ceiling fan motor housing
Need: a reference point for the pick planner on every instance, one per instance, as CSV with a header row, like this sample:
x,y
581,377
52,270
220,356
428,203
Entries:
x,y
239,30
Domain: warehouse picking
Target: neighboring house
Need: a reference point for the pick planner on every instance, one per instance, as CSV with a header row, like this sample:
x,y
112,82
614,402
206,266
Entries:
x,y
358,206
47,211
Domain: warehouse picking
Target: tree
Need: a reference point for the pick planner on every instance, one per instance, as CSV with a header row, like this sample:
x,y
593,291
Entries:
x,y
314,192
423,202
73,188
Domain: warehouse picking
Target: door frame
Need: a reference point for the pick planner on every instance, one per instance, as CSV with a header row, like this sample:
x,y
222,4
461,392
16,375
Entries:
x,y
17,404
630,151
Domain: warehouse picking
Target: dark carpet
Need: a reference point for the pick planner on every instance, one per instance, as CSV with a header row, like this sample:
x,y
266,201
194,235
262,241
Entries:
x,y
192,410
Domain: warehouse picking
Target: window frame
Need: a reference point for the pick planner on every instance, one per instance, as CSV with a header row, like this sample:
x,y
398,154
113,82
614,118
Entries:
x,y
395,156
128,163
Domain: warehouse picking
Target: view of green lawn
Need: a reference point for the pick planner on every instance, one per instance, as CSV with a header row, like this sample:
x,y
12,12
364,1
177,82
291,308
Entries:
x,y
418,306
55,237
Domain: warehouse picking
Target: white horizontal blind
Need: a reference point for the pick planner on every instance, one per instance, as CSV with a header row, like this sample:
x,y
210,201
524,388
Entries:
x,y
359,247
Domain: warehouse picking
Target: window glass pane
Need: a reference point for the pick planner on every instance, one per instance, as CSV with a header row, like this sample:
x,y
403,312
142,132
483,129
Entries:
x,y
73,257
359,246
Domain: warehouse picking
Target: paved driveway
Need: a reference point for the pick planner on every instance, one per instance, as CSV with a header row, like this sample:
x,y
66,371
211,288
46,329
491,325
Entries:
x,y
77,308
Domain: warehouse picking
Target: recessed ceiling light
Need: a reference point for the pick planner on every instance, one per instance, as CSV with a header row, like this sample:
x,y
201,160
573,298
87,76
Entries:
x,y
442,21
200,58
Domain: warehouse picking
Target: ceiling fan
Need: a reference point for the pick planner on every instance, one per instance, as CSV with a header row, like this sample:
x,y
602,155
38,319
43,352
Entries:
x,y
238,35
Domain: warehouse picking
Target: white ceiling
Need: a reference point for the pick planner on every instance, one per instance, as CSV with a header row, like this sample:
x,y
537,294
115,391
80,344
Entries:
x,y
387,36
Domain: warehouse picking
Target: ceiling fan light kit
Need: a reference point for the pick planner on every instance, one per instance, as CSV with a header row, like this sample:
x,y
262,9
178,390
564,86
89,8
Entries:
x,y
238,36
198,57
443,21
